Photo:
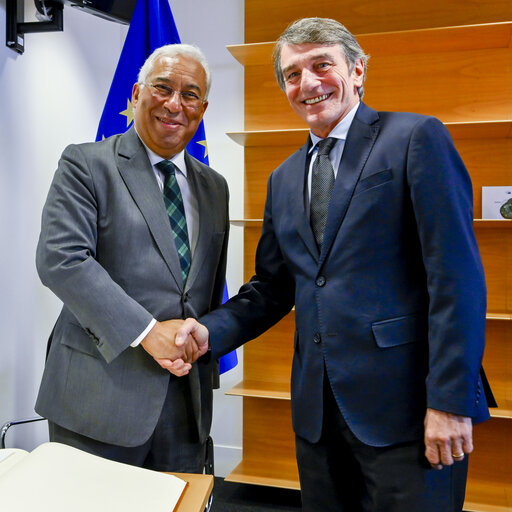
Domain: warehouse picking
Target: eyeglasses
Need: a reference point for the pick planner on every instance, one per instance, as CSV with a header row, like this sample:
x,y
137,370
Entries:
x,y
164,92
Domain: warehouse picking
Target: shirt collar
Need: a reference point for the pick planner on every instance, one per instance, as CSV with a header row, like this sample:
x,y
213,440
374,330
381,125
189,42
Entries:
x,y
340,131
178,160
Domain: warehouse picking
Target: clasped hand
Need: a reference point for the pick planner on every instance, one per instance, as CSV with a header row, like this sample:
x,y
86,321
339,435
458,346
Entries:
x,y
173,348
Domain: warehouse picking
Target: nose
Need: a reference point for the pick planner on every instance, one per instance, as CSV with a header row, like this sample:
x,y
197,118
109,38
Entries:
x,y
173,103
308,80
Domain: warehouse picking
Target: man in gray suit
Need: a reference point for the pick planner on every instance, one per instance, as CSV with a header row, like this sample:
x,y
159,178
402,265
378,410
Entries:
x,y
135,232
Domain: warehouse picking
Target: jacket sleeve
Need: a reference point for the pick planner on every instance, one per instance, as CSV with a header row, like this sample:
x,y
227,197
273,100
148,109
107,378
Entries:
x,y
442,200
260,303
66,260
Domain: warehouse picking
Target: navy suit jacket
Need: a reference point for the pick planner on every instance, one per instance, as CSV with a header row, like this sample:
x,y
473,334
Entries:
x,y
392,309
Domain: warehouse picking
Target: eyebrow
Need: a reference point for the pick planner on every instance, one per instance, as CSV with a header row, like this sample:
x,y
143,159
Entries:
x,y
313,59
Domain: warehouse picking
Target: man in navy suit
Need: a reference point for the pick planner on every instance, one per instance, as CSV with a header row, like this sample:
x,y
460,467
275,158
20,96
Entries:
x,y
372,240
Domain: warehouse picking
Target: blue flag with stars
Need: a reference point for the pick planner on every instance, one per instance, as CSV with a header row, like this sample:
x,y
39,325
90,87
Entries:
x,y
152,25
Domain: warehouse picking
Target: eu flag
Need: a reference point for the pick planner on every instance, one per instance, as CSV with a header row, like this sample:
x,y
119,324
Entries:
x,y
152,25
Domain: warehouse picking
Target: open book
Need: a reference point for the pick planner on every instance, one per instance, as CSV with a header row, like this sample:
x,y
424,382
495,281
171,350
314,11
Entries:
x,y
58,478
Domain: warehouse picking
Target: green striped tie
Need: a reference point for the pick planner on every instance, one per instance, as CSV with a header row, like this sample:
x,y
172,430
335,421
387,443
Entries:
x,y
176,211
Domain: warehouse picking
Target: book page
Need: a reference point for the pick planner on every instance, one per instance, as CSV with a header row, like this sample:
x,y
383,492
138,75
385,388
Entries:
x,y
9,457
59,478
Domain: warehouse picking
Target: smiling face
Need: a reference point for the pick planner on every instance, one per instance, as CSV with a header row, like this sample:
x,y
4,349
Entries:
x,y
319,85
164,124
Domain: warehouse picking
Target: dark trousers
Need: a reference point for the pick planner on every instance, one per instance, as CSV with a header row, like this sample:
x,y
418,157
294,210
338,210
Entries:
x,y
173,446
341,474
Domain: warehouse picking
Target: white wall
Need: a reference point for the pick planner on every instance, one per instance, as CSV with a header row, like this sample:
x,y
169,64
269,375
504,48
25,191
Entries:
x,y
51,96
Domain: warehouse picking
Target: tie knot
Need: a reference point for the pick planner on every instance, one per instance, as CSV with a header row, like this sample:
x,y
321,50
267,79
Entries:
x,y
325,145
167,167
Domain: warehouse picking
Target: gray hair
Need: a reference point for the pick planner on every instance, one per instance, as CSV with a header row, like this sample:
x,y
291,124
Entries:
x,y
323,31
173,50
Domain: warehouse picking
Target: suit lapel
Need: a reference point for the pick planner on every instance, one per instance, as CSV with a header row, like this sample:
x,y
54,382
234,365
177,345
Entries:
x,y
298,207
360,140
207,208
136,171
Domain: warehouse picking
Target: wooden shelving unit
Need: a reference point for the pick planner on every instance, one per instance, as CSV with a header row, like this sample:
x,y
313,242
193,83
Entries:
x,y
451,60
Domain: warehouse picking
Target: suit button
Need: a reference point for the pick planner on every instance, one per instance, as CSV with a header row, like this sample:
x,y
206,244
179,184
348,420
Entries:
x,y
317,338
320,281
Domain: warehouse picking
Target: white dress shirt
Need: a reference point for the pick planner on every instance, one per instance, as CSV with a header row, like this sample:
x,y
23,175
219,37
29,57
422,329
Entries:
x,y
189,203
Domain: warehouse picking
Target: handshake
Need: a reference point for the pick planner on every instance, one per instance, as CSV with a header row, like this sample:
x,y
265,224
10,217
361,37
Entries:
x,y
176,344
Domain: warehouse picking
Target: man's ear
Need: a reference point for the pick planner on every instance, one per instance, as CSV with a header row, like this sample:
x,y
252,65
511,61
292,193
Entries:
x,y
358,72
205,106
135,94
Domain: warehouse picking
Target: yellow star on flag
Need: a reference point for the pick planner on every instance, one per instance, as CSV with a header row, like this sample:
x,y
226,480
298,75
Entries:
x,y
203,143
128,113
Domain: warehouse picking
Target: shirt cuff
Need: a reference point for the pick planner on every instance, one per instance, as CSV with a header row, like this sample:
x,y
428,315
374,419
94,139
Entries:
x,y
143,334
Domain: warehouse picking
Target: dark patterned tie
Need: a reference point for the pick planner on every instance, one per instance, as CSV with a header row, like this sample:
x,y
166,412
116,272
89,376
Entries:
x,y
322,182
176,211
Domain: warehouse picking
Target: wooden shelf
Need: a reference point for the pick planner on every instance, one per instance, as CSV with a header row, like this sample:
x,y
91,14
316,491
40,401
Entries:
x,y
499,316
272,390
247,222
501,129
404,42
275,473
495,129
255,138
492,224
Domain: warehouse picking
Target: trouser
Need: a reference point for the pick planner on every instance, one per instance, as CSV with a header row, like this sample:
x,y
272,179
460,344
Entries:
x,y
342,474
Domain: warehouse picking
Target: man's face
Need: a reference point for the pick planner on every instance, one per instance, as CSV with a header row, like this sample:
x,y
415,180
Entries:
x,y
318,84
166,124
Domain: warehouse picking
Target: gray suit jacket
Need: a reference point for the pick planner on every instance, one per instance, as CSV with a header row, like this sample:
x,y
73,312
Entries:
x,y
106,250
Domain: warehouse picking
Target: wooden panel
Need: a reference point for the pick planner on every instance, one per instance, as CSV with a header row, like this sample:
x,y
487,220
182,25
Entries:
x,y
265,20
490,467
498,365
454,86
457,87
496,252
268,445
266,106
273,473
259,164
268,430
489,162
269,357
251,237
